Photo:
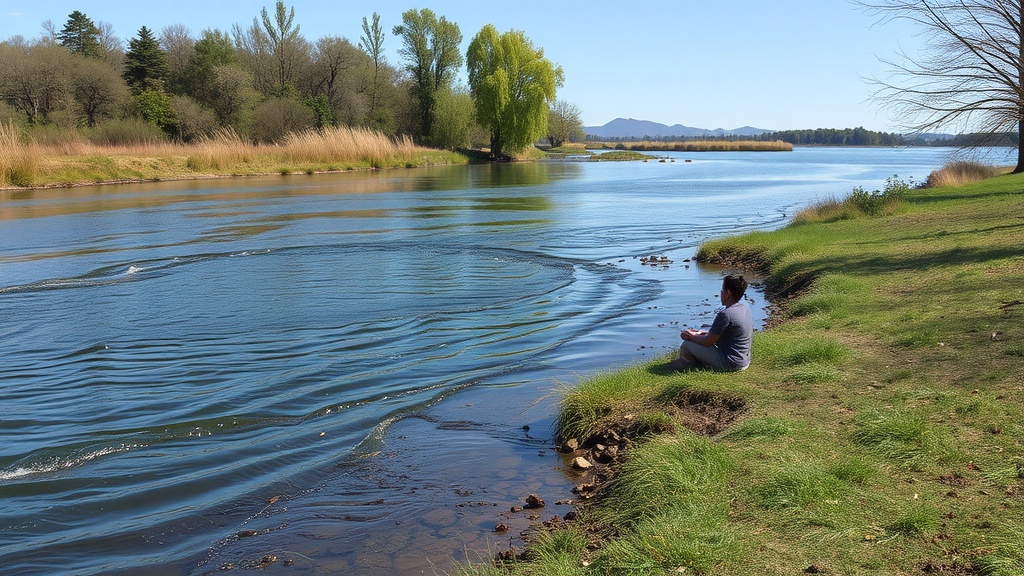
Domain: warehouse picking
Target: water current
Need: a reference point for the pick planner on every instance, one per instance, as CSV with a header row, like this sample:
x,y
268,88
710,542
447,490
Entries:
x,y
343,373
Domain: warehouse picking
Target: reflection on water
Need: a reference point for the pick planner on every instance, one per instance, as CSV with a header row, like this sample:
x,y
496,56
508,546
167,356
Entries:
x,y
343,364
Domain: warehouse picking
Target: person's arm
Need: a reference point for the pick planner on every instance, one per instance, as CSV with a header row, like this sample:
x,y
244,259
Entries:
x,y
699,337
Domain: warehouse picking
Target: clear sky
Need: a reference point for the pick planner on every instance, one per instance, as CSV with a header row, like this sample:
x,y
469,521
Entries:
x,y
772,64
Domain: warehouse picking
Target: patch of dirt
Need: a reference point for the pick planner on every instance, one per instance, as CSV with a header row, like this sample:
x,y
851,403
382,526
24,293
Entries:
x,y
948,568
708,413
955,480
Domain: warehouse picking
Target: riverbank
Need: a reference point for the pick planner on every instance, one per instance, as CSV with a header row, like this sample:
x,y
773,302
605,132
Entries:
x,y
77,162
877,432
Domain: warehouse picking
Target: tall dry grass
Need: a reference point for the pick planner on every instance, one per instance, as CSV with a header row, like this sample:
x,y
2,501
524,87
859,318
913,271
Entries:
x,y
220,150
961,173
19,160
345,144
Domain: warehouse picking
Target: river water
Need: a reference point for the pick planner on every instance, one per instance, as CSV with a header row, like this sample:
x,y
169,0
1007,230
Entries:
x,y
345,373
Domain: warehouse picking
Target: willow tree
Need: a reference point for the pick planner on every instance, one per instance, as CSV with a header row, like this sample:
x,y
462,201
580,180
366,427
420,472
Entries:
x,y
970,74
512,84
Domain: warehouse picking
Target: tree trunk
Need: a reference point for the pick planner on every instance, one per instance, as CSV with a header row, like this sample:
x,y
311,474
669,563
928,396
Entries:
x,y
1020,81
1020,148
497,149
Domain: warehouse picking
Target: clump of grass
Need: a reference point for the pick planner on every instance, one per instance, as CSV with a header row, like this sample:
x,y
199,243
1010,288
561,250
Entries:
x,y
960,173
913,522
904,437
663,471
796,484
19,161
556,552
687,537
582,406
763,428
1008,557
854,470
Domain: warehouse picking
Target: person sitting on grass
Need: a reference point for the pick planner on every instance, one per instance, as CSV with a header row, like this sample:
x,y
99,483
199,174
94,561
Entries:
x,y
726,345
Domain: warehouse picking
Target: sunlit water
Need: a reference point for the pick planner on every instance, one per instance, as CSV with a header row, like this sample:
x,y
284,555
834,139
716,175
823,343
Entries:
x,y
336,370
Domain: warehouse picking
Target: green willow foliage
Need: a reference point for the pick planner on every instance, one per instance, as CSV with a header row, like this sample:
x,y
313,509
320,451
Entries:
x,y
513,84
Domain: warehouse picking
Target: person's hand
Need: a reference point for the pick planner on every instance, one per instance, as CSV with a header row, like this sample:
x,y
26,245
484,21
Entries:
x,y
689,333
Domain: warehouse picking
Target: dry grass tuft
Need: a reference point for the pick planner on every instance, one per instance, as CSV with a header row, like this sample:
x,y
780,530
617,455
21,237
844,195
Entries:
x,y
221,149
19,161
960,173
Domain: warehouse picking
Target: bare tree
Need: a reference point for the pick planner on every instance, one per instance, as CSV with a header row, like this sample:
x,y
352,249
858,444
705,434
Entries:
x,y
970,74
564,123
372,43
178,44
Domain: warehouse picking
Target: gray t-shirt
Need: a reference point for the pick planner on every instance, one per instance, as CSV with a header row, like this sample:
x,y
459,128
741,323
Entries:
x,y
735,329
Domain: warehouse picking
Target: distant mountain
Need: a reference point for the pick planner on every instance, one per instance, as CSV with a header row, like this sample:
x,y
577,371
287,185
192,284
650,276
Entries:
x,y
630,128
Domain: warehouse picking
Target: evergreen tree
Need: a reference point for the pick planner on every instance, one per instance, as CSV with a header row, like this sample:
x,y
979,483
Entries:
x,y
81,36
145,66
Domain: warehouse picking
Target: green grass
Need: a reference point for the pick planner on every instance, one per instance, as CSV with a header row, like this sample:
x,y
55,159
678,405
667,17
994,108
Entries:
x,y
883,431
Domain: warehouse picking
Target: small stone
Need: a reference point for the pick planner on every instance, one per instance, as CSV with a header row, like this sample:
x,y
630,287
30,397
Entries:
x,y
570,445
267,560
534,501
246,533
515,509
501,527
581,463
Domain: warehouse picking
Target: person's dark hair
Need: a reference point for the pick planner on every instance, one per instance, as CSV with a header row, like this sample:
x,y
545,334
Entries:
x,y
736,285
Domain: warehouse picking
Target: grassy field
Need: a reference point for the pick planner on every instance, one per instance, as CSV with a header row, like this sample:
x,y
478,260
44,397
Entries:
x,y
71,159
879,430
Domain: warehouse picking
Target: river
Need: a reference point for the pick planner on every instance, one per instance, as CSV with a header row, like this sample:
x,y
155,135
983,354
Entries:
x,y
343,373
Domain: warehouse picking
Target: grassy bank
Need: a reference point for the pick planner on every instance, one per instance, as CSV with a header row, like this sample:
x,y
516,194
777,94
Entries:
x,y
878,431
697,146
75,160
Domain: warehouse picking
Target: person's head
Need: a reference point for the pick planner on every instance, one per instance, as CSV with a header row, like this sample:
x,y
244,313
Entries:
x,y
733,288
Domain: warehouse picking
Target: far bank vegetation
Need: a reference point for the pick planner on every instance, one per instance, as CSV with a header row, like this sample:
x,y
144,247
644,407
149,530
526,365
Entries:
x,y
696,146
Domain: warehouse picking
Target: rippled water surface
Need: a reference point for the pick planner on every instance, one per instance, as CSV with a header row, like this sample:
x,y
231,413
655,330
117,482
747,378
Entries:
x,y
336,370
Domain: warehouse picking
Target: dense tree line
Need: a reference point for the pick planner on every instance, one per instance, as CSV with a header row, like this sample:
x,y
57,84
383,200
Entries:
x,y
836,137
265,79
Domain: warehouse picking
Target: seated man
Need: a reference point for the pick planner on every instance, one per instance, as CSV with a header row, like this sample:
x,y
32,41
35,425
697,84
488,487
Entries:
x,y
726,345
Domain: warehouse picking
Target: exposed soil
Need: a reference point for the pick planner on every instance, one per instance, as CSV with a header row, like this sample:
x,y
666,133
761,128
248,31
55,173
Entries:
x,y
598,458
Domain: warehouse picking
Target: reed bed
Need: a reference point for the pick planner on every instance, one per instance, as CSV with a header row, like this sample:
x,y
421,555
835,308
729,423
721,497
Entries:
x,y
48,157
346,144
699,146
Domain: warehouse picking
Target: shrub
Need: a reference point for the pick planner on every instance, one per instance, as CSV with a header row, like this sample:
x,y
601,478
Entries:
x,y
130,132
276,118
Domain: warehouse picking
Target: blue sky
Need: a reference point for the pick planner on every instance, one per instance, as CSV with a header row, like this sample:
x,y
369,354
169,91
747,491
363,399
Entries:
x,y
774,64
